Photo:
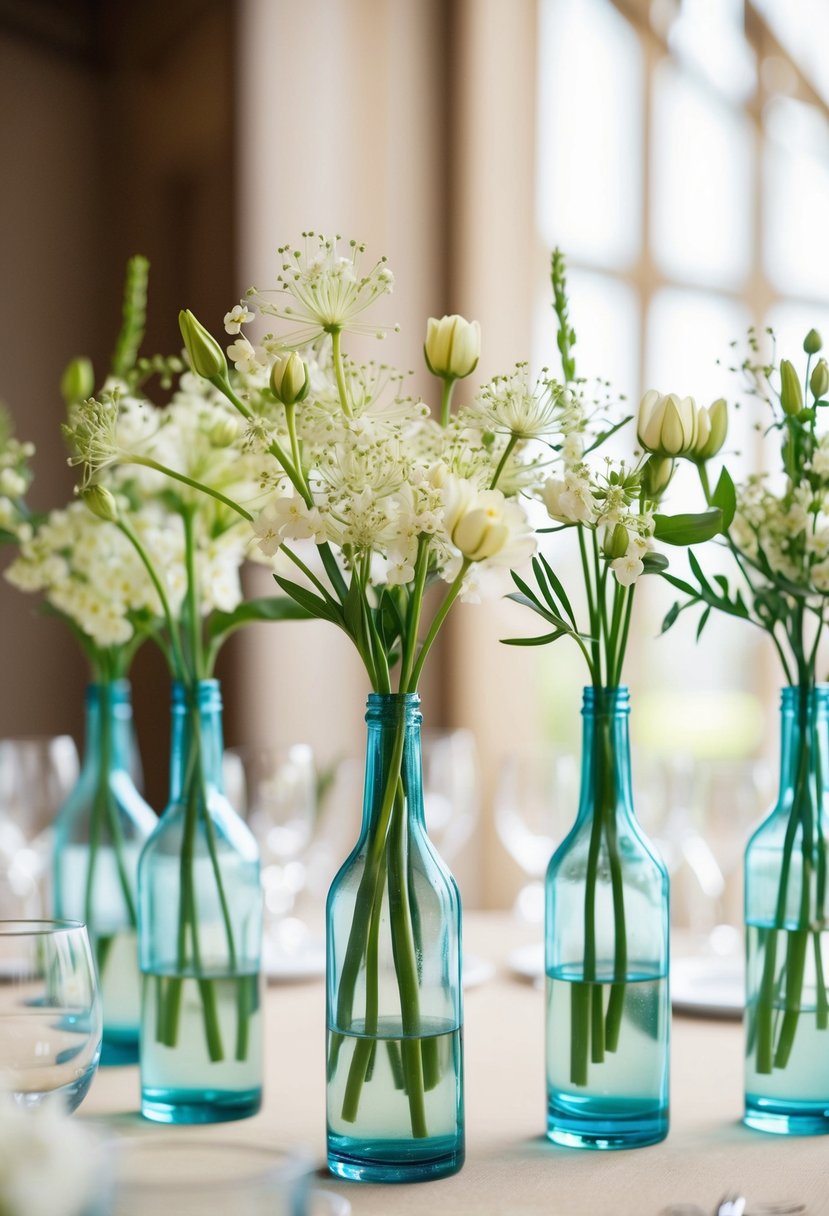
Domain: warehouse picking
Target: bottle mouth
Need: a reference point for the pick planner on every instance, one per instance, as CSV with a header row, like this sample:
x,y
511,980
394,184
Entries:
x,y
206,694
790,695
613,700
391,707
118,691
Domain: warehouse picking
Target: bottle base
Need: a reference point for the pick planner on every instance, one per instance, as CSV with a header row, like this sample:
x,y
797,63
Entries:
x,y
636,1130
199,1105
118,1050
363,1160
781,1118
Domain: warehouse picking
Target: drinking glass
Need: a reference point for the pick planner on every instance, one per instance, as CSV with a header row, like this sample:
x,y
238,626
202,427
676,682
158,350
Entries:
x,y
535,806
50,1011
275,789
200,1178
450,789
36,776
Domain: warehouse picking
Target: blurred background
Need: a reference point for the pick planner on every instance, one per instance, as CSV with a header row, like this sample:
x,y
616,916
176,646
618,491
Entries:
x,y
677,150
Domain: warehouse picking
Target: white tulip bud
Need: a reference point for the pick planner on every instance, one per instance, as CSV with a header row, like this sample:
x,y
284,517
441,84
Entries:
x,y
452,347
668,425
289,379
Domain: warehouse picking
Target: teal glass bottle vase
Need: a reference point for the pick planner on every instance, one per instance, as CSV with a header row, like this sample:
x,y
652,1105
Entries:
x,y
200,935
99,833
394,1001
787,940
606,948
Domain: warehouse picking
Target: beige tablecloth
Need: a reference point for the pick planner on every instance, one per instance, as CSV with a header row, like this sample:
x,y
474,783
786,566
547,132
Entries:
x,y
510,1167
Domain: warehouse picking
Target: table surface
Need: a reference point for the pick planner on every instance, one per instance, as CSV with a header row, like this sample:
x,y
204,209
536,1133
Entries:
x,y
510,1167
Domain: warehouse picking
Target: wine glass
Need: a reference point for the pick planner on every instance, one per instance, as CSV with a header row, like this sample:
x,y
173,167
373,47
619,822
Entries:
x,y
50,1011
536,800
450,788
275,788
36,776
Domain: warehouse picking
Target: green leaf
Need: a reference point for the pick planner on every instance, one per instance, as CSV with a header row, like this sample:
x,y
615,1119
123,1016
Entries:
x,y
543,640
600,439
654,563
689,529
314,605
670,617
703,621
725,497
557,585
268,608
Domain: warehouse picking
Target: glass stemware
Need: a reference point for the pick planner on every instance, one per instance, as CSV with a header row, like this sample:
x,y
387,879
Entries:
x,y
50,1011
450,789
36,776
535,802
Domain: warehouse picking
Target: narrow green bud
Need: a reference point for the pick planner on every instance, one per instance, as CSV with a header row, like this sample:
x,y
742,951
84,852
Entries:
x,y
203,351
78,381
101,502
791,394
812,342
819,381
656,476
616,542
289,379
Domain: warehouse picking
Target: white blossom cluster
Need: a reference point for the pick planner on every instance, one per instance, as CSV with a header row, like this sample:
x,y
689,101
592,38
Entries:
x,y
605,497
384,477
790,532
15,475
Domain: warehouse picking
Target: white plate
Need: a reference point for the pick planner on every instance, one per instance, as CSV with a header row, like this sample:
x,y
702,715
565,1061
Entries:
x,y
476,970
714,987
527,962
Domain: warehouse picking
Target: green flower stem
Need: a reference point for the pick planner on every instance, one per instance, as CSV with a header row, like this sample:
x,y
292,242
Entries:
x,y
179,666
336,335
768,1054
508,450
415,609
363,1051
149,463
405,966
440,616
447,388
594,1032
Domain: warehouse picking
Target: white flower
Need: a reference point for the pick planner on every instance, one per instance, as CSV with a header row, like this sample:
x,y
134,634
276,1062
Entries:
x,y
244,357
12,483
627,569
287,518
452,347
238,316
400,569
569,501
669,425
484,525
50,1164
510,404
327,293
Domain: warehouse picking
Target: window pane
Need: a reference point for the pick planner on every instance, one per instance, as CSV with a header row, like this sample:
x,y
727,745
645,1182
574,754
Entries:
x,y
702,165
709,35
796,237
689,353
803,29
589,131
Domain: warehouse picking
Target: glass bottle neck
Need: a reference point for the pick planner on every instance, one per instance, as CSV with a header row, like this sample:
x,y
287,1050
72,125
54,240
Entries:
x,y
393,758
197,740
605,756
108,739
804,738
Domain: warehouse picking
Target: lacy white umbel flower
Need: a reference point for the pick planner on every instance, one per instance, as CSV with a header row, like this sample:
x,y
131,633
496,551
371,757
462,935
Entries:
x,y
50,1164
326,292
511,404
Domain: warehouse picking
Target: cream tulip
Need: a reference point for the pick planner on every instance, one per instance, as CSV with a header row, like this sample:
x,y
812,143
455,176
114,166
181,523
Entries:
x,y
668,425
452,347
